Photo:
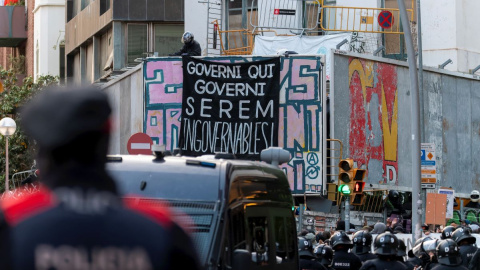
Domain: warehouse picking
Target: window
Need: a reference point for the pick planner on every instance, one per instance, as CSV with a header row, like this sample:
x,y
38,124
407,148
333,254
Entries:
x,y
104,6
137,42
167,38
62,63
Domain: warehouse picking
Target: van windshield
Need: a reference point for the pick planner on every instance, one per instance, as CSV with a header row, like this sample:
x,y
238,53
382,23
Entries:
x,y
184,192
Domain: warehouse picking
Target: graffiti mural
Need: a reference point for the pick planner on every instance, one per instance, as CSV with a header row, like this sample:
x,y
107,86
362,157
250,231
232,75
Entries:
x,y
373,138
300,113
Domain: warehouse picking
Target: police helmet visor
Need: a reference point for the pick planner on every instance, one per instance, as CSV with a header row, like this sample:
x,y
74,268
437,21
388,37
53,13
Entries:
x,y
430,245
418,250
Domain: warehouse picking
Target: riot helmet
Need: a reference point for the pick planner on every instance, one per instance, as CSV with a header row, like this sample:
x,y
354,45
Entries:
x,y
418,250
402,248
324,254
448,252
386,244
304,247
340,238
463,234
447,232
475,196
393,195
187,37
362,242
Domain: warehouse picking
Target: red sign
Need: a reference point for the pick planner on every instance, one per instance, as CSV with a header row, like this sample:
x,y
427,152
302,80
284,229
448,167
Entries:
x,y
278,11
140,144
385,19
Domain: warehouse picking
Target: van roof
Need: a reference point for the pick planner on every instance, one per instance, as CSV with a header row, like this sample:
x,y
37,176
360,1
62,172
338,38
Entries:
x,y
192,178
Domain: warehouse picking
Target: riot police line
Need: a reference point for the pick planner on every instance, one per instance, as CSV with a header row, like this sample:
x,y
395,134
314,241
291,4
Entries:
x,y
454,248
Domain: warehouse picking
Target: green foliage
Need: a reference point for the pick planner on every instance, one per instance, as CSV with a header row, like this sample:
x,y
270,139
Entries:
x,y
21,150
18,3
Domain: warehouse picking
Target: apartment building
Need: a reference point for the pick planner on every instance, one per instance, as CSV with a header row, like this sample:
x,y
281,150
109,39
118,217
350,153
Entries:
x,y
103,38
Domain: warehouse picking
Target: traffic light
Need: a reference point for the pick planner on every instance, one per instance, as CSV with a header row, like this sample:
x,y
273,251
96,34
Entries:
x,y
345,176
358,185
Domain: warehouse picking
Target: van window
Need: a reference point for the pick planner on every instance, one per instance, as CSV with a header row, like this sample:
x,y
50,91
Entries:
x,y
284,241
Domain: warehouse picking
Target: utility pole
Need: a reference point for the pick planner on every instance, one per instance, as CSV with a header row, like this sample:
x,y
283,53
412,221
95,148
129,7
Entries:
x,y
415,125
347,213
420,89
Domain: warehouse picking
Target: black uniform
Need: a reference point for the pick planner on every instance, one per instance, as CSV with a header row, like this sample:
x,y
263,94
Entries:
x,y
414,261
475,261
378,264
77,220
467,253
344,260
193,49
367,256
448,267
310,263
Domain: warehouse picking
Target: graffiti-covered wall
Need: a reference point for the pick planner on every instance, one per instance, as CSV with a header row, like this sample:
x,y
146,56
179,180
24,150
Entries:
x,y
300,114
372,111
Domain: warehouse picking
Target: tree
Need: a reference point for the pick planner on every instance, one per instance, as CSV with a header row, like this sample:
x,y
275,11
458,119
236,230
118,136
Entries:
x,y
12,96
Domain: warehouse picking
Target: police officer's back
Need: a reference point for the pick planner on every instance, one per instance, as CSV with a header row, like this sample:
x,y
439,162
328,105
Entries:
x,y
324,255
77,220
306,258
362,245
342,259
386,248
466,243
448,256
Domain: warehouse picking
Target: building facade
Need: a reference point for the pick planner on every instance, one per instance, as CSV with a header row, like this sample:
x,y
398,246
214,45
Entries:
x,y
104,38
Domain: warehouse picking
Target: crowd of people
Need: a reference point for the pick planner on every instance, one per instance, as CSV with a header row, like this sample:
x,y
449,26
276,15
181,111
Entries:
x,y
338,250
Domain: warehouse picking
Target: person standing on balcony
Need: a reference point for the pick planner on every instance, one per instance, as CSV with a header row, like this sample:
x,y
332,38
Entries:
x,y
190,46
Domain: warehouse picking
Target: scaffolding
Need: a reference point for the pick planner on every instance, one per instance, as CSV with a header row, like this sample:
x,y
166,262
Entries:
x,y
361,19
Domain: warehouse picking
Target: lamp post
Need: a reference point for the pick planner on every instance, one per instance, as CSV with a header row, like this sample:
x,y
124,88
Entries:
x,y
7,128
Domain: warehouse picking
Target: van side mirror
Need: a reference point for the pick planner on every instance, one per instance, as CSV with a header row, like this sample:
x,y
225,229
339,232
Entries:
x,y
242,259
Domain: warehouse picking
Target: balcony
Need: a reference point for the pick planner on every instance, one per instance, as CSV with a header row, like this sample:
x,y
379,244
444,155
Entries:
x,y
12,26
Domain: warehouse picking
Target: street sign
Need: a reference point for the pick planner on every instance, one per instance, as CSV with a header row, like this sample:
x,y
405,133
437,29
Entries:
x,y
278,11
428,186
385,19
428,163
450,200
139,144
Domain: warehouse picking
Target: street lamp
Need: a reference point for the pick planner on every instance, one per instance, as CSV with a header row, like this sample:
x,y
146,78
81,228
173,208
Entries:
x,y
7,128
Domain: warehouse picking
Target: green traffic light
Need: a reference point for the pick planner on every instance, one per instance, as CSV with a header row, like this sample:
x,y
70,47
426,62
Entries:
x,y
344,189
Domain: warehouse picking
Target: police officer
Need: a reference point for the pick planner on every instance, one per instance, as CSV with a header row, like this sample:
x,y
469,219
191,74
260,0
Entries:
x,y
190,46
448,256
401,253
386,248
306,258
342,259
324,255
418,256
447,232
77,220
362,245
466,243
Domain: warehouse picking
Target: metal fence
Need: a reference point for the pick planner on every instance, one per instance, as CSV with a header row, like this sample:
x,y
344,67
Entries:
x,y
296,16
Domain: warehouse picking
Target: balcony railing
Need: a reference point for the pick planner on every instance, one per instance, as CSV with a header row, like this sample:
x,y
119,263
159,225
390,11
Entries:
x,y
12,26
